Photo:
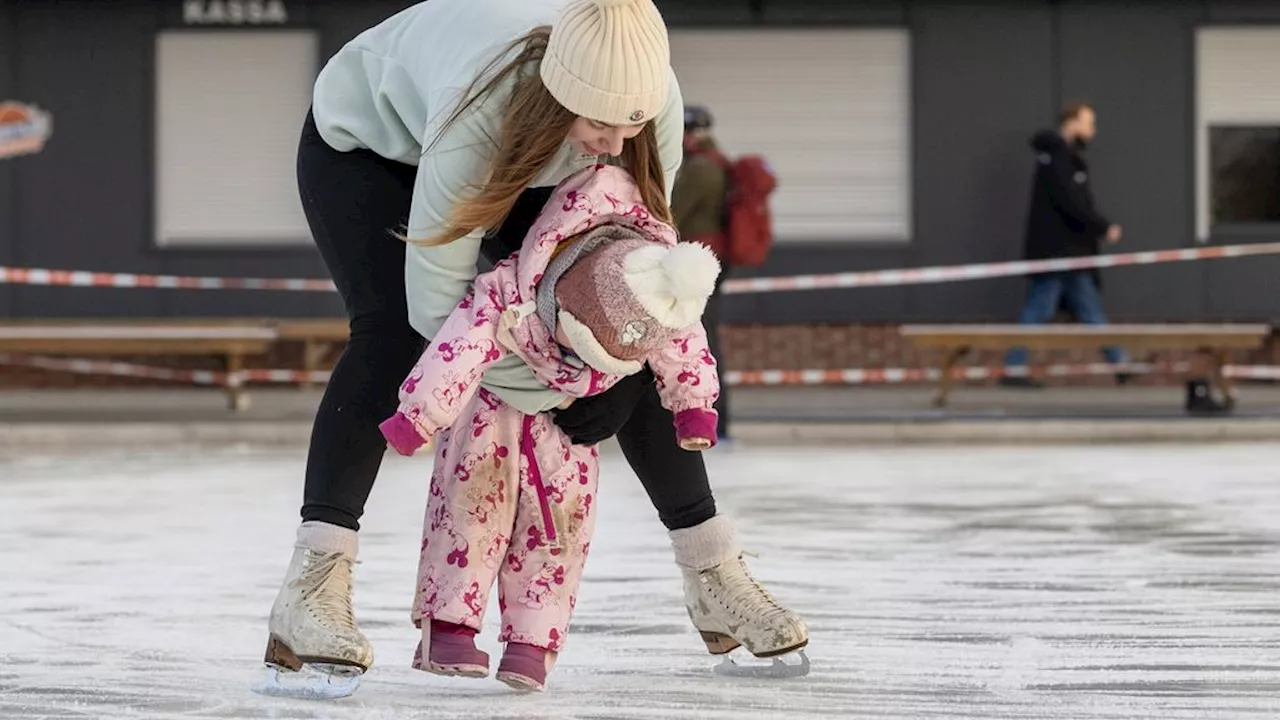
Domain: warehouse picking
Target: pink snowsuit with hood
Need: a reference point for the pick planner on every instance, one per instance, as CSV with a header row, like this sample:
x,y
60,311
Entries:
x,y
511,497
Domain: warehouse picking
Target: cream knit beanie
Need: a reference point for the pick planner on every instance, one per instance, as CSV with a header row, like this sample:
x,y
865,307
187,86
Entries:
x,y
608,60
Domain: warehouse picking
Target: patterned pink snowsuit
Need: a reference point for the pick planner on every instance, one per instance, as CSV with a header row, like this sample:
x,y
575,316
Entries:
x,y
511,496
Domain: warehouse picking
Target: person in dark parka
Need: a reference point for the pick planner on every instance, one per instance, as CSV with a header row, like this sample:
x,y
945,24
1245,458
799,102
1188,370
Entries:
x,y
1063,222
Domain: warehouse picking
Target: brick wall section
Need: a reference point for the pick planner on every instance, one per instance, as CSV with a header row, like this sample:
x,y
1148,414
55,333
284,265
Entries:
x,y
746,347
833,347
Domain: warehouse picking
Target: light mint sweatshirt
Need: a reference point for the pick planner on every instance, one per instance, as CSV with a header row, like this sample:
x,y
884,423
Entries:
x,y
392,88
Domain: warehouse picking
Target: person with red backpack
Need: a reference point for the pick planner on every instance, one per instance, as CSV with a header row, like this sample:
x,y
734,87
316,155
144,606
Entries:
x,y
724,205
698,207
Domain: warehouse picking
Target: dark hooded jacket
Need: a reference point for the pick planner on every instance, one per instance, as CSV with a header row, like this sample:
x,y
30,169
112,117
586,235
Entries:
x,y
1063,221
698,198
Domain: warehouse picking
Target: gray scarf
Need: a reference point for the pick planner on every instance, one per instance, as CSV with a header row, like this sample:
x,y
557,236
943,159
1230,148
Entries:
x,y
548,307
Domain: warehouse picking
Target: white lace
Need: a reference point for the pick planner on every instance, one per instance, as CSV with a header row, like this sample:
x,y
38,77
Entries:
x,y
744,597
329,595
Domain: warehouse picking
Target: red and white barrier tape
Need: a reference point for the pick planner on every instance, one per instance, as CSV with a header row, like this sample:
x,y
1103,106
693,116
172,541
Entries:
x,y
874,278
867,376
894,376
81,278
955,273
214,378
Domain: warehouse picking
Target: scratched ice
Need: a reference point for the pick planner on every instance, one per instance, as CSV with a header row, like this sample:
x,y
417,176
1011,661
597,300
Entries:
x,y
1047,583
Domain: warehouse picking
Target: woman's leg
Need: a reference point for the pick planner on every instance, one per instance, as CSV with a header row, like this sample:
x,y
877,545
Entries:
x,y
675,479
352,201
727,605
711,319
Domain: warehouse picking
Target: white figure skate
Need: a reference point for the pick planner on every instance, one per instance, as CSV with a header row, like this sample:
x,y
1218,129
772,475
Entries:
x,y
315,650
731,610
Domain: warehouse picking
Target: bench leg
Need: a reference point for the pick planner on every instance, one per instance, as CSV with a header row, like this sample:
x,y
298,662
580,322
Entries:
x,y
1218,377
237,394
944,382
313,351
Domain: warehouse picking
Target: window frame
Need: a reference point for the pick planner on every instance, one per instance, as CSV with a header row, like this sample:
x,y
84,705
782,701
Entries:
x,y
1204,229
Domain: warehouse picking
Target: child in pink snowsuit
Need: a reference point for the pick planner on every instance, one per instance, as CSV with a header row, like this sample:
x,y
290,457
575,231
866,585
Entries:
x,y
598,289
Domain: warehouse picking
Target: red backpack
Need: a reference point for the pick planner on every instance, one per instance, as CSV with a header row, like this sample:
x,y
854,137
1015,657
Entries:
x,y
748,224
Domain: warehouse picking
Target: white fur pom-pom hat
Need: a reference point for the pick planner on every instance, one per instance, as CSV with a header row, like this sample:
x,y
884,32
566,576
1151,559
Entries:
x,y
625,299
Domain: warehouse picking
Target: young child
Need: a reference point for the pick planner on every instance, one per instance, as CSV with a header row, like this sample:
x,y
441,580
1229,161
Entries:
x,y
598,290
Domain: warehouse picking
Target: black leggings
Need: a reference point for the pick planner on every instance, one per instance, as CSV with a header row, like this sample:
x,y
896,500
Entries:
x,y
353,201
711,320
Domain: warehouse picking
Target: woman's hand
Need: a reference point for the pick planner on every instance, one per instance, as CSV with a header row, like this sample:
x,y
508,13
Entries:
x,y
600,417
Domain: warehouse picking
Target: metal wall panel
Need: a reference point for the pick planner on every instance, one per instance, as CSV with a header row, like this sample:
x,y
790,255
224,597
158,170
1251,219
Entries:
x,y
984,76
8,89
830,110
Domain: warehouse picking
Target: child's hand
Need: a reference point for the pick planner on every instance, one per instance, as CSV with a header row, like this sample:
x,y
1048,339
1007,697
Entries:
x,y
696,429
696,444
402,435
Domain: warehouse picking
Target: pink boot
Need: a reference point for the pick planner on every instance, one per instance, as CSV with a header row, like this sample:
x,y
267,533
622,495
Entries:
x,y
451,650
524,667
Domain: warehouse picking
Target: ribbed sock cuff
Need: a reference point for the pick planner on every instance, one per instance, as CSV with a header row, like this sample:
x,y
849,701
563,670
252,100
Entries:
x,y
326,538
707,545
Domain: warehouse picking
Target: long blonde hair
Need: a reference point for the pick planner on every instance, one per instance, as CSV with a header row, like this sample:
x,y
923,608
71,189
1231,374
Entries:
x,y
534,126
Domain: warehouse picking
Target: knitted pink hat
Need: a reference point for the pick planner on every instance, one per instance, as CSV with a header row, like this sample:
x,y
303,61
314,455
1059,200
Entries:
x,y
627,298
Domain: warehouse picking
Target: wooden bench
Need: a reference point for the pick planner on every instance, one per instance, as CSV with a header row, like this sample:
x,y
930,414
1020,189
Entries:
x,y
318,337
1214,341
230,341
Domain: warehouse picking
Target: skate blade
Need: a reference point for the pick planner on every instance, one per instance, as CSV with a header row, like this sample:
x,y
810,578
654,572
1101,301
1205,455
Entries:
x,y
791,665
312,682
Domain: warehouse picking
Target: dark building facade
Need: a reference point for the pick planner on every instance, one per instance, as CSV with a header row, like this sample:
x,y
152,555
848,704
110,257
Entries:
x,y
981,77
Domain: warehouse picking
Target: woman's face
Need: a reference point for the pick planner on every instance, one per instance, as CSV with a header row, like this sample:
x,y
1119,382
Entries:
x,y
596,138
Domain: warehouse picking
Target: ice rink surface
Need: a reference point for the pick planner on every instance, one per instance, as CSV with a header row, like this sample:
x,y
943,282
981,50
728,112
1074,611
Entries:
x,y
1045,583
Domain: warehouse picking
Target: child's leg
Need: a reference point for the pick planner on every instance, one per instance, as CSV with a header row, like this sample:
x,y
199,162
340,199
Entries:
x,y
538,583
467,529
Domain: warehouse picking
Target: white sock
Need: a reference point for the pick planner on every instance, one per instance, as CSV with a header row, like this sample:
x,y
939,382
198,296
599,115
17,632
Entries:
x,y
326,538
705,546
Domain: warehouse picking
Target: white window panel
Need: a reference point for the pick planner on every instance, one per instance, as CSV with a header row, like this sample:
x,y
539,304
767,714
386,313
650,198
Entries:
x,y
829,109
229,107
1237,83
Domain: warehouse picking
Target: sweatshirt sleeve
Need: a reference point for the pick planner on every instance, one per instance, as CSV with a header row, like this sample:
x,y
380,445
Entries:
x,y
437,277
669,128
688,386
447,375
